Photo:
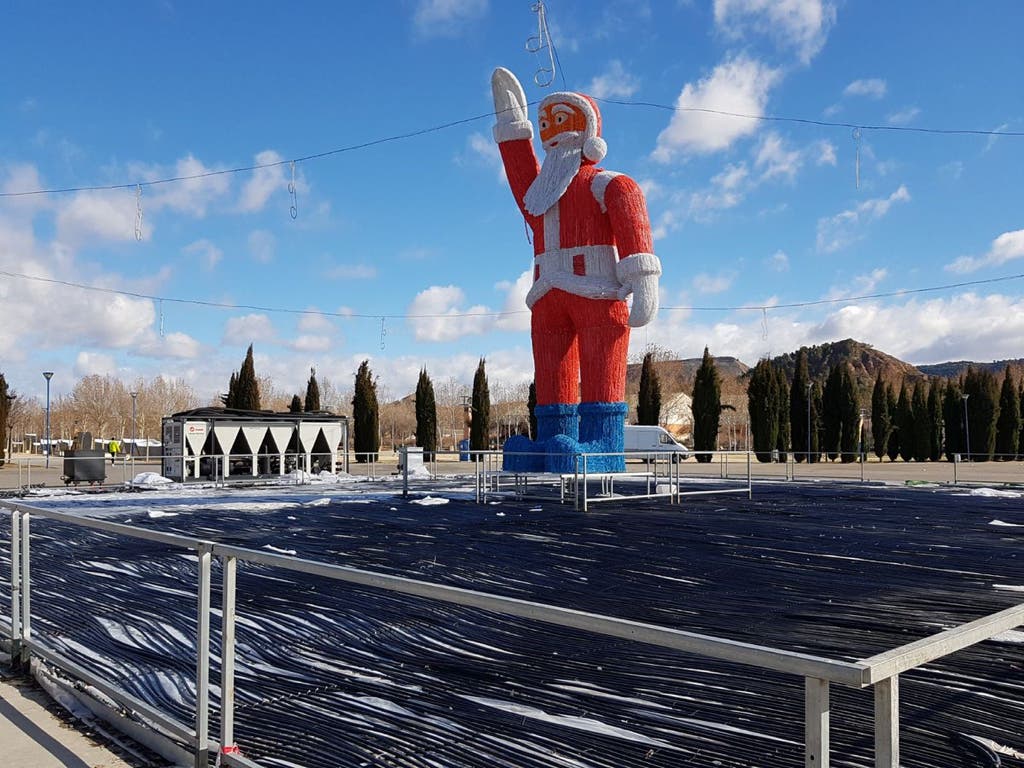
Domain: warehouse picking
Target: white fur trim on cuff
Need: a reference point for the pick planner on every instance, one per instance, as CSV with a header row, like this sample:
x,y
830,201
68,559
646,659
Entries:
x,y
517,129
637,265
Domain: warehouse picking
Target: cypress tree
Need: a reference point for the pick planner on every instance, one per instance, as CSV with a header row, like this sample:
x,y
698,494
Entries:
x,y
230,400
905,421
706,407
480,427
849,412
935,401
799,394
531,406
816,397
832,415
782,400
1020,439
648,406
922,423
312,403
982,412
426,416
5,412
1009,422
248,388
892,446
881,418
365,415
953,420
296,405
763,408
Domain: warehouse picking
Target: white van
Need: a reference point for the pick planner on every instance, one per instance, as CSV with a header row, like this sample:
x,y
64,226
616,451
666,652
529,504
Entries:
x,y
641,438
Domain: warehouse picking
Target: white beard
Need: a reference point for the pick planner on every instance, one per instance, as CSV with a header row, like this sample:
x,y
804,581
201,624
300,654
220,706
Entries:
x,y
561,164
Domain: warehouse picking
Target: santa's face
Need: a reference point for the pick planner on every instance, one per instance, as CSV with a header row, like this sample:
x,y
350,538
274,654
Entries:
x,y
559,121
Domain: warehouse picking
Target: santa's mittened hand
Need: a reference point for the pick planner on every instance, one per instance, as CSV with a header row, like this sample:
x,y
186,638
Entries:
x,y
509,107
645,301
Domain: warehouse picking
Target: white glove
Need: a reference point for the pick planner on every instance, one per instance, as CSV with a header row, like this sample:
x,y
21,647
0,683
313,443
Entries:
x,y
509,107
638,274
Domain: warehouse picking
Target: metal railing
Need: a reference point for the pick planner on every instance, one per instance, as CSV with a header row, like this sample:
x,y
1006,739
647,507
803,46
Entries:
x,y
880,672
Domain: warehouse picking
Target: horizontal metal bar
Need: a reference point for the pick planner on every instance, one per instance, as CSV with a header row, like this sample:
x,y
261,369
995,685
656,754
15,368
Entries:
x,y
171,539
744,489
236,759
174,727
885,665
790,662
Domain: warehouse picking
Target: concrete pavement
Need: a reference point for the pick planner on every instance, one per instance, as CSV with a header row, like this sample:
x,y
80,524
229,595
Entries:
x,y
32,735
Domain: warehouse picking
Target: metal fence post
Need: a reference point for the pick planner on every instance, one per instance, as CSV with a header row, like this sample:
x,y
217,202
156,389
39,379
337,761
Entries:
x,y
403,454
816,723
750,491
887,723
202,757
16,635
227,657
26,589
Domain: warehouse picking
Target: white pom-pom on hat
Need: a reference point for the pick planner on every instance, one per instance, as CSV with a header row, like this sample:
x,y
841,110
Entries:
x,y
595,148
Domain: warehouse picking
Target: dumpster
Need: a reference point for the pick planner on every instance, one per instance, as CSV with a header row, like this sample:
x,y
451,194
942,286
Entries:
x,y
84,466
463,450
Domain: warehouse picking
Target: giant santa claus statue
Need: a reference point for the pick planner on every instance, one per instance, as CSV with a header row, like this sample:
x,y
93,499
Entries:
x,y
592,248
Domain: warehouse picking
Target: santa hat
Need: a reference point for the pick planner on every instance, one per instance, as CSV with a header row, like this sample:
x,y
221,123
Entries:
x,y
594,147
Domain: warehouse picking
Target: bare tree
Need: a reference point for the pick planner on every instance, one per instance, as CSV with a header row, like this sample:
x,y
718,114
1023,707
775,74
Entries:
x,y
450,395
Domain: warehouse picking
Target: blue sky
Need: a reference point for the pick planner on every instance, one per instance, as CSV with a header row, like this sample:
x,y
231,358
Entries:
x,y
747,213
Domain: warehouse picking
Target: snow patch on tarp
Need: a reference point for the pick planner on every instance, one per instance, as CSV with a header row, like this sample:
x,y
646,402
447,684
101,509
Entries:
x,y
999,493
429,501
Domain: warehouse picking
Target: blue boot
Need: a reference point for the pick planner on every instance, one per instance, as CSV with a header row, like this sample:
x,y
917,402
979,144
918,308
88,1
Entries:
x,y
602,431
525,455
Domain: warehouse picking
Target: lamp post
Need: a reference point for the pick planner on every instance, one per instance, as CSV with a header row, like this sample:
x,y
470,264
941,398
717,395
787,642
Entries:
x,y
967,430
134,396
48,375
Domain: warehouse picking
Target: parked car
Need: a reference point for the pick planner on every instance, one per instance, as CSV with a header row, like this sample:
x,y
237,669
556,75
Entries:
x,y
640,438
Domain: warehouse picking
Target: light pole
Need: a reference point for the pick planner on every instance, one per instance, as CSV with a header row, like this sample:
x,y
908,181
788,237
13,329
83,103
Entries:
x,y
135,396
967,430
48,375
809,385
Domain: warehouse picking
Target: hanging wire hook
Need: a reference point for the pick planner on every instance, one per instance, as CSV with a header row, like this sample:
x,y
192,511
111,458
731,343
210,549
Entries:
x,y
383,332
161,318
764,323
856,162
544,76
295,196
138,212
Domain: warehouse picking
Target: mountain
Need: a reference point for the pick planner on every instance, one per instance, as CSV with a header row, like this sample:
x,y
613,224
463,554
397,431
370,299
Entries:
x,y
865,361
956,369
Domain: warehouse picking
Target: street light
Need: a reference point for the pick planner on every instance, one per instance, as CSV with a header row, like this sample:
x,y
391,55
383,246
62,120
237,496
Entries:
x,y
134,397
48,375
967,429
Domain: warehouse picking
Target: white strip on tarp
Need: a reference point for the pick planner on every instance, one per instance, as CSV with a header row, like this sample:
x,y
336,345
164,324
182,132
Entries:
x,y
281,436
254,437
308,433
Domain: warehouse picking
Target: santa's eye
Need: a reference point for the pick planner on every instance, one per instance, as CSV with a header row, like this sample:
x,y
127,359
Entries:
x,y
559,119
543,125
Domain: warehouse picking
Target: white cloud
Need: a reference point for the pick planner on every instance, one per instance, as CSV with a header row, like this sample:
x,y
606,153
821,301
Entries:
x,y
903,116
210,255
310,343
247,329
315,323
615,83
994,138
740,85
826,153
175,345
859,285
705,283
872,88
775,159
193,194
482,150
437,314
515,315
264,182
262,245
102,216
447,18
1007,247
843,229
800,25
94,363
779,261
352,272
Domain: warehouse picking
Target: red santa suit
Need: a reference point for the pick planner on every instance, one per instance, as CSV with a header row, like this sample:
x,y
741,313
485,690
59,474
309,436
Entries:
x,y
597,232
